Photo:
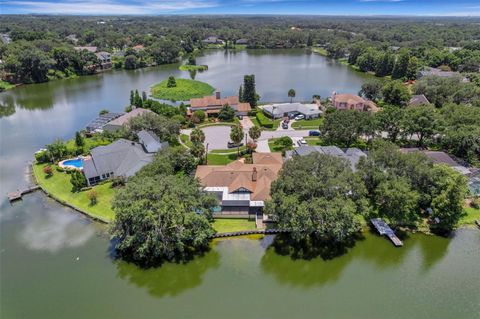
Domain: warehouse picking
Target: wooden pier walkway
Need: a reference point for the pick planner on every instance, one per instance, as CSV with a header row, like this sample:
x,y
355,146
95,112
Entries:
x,y
250,232
385,230
13,196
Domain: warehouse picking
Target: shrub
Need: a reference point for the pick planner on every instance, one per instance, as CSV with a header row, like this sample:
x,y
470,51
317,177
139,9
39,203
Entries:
x,y
118,181
77,180
475,203
48,170
60,169
92,196
171,82
263,120
42,156
180,118
252,112
199,116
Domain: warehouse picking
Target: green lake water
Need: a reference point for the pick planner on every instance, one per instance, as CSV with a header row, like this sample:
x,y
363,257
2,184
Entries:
x,y
55,263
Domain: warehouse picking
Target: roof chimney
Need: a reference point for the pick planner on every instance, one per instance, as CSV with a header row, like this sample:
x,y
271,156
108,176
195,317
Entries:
x,y
254,174
217,95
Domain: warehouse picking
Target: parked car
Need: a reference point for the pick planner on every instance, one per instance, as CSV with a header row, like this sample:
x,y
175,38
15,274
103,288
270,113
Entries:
x,y
232,145
292,115
302,142
299,117
285,126
314,133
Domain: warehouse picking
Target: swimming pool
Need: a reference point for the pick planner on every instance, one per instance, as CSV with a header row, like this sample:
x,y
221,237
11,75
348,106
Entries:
x,y
76,163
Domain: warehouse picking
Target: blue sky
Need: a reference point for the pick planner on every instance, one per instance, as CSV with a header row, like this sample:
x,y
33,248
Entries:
x,y
310,7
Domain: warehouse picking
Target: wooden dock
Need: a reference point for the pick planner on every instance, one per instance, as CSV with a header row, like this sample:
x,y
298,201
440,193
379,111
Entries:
x,y
384,230
16,195
250,232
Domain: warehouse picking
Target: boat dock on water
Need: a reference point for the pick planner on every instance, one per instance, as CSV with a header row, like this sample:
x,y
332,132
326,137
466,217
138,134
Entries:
x,y
384,230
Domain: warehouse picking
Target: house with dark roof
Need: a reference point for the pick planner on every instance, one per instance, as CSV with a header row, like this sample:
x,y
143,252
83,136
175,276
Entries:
x,y
439,157
212,105
418,99
105,59
242,189
352,155
242,41
150,141
121,158
87,48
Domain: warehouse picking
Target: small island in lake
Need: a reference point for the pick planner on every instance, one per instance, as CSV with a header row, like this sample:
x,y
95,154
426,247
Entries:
x,y
180,89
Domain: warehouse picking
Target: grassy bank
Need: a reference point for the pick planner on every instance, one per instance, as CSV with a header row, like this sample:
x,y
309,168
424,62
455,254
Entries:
x,y
188,67
59,187
186,140
4,85
472,214
185,90
226,225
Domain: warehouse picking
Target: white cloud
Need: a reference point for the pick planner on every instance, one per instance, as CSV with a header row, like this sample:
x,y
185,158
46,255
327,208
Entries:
x,y
108,6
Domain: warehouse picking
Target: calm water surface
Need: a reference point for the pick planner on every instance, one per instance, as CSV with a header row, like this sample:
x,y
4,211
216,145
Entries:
x,y
55,263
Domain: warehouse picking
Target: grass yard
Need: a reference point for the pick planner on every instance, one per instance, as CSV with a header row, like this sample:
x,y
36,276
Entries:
x,y
313,141
59,187
226,225
186,140
275,124
207,124
229,150
308,124
185,90
274,147
320,51
188,67
472,215
217,159
90,142
4,85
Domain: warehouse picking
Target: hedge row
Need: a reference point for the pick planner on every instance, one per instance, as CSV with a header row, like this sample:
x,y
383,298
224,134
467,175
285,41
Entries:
x,y
263,120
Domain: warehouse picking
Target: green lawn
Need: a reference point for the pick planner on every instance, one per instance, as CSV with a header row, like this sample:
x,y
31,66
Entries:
x,y
217,159
90,143
186,140
207,124
188,67
59,187
313,141
472,215
255,122
185,90
320,51
226,225
274,147
229,150
307,124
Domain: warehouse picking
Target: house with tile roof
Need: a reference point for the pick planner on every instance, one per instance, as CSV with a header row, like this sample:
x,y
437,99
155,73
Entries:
x,y
241,188
352,102
212,104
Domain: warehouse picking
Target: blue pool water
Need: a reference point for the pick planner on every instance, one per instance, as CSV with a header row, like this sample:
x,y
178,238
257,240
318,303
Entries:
x,y
78,163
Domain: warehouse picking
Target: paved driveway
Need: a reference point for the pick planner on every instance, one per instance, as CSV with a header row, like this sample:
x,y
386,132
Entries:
x,y
217,137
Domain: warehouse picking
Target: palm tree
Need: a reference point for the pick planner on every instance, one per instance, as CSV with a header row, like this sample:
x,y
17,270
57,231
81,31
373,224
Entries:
x,y
236,135
291,94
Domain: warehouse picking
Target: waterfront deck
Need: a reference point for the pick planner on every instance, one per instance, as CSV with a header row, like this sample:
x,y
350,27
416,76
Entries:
x,y
16,195
384,230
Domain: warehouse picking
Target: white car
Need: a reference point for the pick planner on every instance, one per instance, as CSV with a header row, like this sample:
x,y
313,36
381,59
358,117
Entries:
x,y
302,142
299,117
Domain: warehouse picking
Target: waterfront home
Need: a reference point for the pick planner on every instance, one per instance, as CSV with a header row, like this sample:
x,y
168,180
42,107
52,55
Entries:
x,y
105,59
98,123
352,102
428,71
119,122
212,105
121,158
242,189
242,41
309,111
352,155
417,100
213,40
87,48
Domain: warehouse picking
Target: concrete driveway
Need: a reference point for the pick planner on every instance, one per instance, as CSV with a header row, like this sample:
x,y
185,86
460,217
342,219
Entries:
x,y
217,137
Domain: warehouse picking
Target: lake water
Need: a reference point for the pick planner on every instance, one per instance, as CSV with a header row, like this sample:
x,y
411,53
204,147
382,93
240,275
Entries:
x,y
55,263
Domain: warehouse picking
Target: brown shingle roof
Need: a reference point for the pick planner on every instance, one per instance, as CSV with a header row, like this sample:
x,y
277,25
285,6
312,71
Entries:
x,y
240,175
244,107
213,101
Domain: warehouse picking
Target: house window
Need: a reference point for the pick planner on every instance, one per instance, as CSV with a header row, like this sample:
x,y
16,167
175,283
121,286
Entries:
x,y
103,176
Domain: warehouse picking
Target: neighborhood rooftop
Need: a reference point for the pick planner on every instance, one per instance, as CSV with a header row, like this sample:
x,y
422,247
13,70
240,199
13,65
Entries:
x,y
121,158
150,141
121,120
213,104
418,99
279,110
352,155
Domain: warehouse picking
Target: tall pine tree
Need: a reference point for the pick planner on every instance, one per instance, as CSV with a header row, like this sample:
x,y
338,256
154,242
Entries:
x,y
249,92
